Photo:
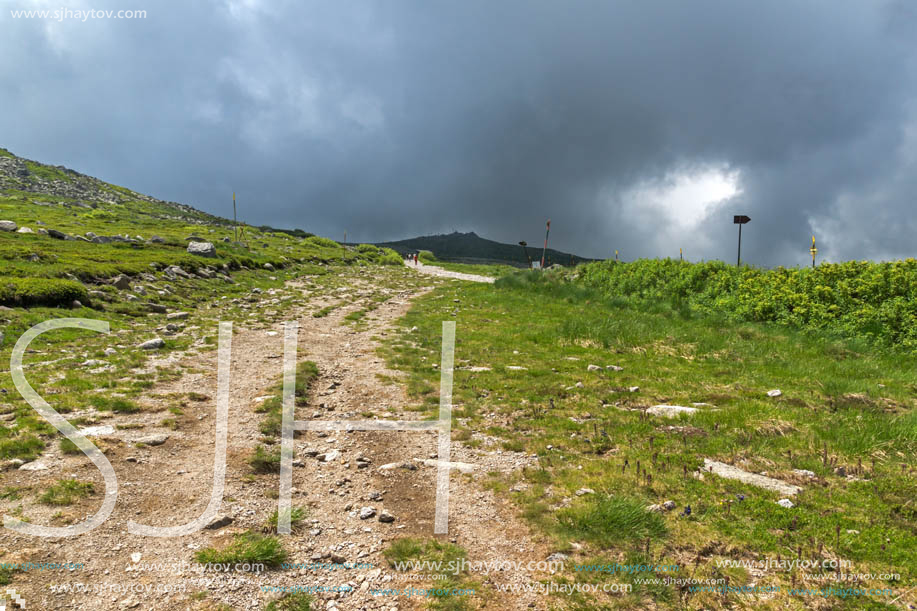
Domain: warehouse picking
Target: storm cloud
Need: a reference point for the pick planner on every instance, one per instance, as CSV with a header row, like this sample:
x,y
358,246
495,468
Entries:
x,y
636,126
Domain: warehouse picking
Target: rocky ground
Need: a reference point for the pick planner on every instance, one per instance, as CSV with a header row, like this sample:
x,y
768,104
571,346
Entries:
x,y
165,478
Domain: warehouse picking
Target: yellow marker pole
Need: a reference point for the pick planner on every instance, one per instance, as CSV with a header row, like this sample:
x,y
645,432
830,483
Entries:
x,y
681,255
235,224
813,252
616,255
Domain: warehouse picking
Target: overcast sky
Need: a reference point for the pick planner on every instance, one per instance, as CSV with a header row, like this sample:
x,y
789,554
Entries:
x,y
637,126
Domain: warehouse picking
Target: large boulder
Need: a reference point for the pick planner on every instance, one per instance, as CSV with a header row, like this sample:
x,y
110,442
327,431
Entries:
x,y
57,235
204,249
8,226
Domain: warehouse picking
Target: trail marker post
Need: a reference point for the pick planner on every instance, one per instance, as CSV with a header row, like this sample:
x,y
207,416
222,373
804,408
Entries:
x,y
545,250
813,251
235,223
740,219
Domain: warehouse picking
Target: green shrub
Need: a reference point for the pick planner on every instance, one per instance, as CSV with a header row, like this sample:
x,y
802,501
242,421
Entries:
x,y
875,301
390,257
427,257
368,248
30,292
322,242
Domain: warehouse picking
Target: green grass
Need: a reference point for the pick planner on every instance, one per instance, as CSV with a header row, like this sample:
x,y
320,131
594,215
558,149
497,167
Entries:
x,y
845,403
449,558
114,404
492,270
299,601
66,492
248,547
265,460
297,516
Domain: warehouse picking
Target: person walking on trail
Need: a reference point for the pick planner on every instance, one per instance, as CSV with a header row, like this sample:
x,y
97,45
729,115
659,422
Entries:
x,y
415,258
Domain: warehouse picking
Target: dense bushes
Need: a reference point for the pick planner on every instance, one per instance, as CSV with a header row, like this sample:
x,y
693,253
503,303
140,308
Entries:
x,y
873,300
427,257
27,292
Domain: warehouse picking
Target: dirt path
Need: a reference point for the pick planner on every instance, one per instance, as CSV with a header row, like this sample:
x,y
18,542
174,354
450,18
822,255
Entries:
x,y
170,484
432,270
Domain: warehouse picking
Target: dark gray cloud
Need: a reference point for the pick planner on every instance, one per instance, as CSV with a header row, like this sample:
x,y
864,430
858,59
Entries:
x,y
621,121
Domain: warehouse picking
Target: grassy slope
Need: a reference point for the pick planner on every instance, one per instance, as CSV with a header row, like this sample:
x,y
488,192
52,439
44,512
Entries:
x,y
842,405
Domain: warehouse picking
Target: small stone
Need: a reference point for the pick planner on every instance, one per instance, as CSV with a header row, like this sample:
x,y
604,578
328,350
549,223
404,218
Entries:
x,y
580,385
669,505
331,456
219,521
367,512
386,517
774,393
840,471
614,368
787,503
633,389
153,440
176,315
203,249
121,282
584,491
8,226
152,344
593,368
34,466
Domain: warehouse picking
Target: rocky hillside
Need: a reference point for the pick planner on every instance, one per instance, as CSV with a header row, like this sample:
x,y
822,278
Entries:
x,y
64,234
46,185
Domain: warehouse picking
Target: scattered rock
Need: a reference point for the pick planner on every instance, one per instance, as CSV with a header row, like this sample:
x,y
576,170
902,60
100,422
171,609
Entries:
x,y
203,249
584,491
24,230
8,226
804,473
176,316
219,521
34,466
121,282
593,368
633,389
670,411
153,344
386,517
268,266
367,512
840,471
156,308
331,456
785,503
774,393
153,440
654,508
761,481
57,235
464,467
614,368
157,240
669,505
96,431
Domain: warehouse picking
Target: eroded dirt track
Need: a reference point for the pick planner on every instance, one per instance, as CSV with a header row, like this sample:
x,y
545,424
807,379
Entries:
x,y
170,484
